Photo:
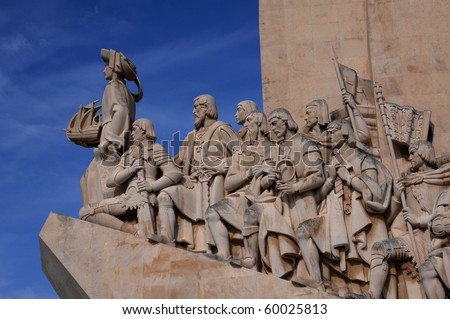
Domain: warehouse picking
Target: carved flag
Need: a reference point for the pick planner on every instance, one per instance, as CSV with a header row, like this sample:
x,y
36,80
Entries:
x,y
360,88
362,91
406,124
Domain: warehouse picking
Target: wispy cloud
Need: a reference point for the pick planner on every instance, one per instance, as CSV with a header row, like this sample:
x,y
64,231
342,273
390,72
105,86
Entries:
x,y
13,44
92,13
21,133
156,58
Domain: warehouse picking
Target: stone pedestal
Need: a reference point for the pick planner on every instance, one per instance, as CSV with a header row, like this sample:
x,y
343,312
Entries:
x,y
85,260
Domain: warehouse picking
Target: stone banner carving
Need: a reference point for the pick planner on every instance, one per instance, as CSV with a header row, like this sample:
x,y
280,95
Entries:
x,y
320,205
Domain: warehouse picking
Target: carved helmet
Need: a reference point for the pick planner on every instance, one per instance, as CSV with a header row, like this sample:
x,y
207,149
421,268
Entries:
x,y
121,64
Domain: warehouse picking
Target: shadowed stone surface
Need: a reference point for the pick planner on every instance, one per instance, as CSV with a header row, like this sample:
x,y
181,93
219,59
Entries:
x,y
85,260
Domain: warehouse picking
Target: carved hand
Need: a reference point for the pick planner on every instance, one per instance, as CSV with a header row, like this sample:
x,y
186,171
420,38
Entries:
x,y
270,178
349,99
220,168
411,217
136,166
399,187
343,173
145,186
286,188
188,181
330,172
436,243
254,170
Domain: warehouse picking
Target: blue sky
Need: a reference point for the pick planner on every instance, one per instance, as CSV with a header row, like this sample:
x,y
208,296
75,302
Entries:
x,y
50,64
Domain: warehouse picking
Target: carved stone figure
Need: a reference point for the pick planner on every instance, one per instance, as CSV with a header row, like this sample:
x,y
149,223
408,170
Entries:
x,y
145,169
317,117
316,206
243,182
118,103
435,270
354,217
421,184
244,108
270,224
204,158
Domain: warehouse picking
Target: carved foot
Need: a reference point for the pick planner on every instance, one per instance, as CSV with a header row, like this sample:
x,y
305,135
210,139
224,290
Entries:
x,y
248,262
154,238
218,257
306,282
129,228
352,295
236,262
168,242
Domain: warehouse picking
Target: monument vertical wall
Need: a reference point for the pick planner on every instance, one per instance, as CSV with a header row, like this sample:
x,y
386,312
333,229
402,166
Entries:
x,y
403,44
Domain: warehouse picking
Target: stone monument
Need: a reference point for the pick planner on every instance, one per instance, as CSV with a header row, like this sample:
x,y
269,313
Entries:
x,y
351,204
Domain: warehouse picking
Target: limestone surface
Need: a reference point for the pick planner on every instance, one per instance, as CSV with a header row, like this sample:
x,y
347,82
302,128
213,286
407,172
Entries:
x,y
86,260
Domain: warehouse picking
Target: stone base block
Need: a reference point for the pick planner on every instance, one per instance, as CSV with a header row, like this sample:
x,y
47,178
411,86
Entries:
x,y
85,260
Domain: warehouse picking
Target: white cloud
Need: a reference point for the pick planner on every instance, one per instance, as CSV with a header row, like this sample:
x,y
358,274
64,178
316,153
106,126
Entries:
x,y
20,133
14,44
154,59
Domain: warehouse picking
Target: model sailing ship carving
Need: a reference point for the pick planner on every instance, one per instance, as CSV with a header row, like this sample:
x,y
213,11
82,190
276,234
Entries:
x,y
85,126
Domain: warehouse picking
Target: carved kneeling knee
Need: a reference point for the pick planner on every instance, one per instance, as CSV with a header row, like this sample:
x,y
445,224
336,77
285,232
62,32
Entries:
x,y
427,270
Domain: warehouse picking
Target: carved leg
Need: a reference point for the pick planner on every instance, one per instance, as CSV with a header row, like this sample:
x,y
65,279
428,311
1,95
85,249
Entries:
x,y
382,252
167,218
250,250
111,222
250,233
431,283
105,212
379,269
394,249
219,233
391,289
310,255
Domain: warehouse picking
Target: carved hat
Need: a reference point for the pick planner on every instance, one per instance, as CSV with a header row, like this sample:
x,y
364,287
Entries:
x,y
248,106
119,63
284,115
147,126
323,115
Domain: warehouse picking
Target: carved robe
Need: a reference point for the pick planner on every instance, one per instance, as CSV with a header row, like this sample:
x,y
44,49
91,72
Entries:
x,y
300,163
440,233
118,112
353,221
421,191
211,145
242,191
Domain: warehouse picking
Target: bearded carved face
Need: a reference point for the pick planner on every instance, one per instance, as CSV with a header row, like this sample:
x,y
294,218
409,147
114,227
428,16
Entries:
x,y
278,128
199,112
416,161
240,115
252,126
311,115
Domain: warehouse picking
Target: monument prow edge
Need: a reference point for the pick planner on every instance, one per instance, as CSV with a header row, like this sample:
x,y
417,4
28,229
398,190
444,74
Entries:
x,y
85,260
